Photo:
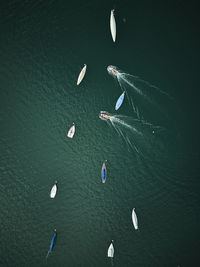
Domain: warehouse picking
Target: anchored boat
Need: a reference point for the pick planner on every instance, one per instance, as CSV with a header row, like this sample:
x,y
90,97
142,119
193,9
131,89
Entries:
x,y
111,250
103,172
53,190
112,70
120,101
71,131
52,244
81,74
134,219
113,25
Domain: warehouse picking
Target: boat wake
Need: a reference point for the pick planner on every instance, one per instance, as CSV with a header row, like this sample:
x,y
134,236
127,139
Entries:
x,y
138,135
142,96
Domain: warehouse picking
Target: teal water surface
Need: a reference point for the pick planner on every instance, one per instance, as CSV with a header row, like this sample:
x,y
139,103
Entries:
x,y
44,45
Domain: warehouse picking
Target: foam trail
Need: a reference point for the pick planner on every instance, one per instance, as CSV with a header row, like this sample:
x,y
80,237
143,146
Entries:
x,y
126,139
120,125
138,79
132,146
47,254
129,143
115,119
121,134
116,129
133,106
142,95
131,84
137,134
141,121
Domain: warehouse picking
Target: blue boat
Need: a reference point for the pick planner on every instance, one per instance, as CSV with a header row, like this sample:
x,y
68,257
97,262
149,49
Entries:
x,y
120,101
103,172
53,242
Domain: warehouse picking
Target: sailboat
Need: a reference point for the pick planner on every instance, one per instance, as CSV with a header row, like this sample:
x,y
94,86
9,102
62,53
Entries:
x,y
103,172
81,74
111,250
113,25
134,219
53,190
119,101
71,131
52,244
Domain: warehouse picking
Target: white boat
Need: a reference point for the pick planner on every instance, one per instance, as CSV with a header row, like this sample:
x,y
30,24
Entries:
x,y
112,70
81,74
71,131
113,25
134,219
111,250
53,190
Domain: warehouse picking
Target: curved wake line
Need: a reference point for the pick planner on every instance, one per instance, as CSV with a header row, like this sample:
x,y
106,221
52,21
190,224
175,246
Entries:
x,y
141,121
130,84
126,139
138,79
115,119
136,133
151,93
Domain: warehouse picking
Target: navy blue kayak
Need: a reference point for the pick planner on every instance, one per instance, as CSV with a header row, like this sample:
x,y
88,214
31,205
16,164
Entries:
x,y
53,242
120,101
103,172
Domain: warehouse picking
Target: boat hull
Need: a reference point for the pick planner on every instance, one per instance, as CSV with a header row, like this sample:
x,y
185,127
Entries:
x,y
113,25
53,191
103,173
120,101
111,251
81,74
71,131
53,242
134,219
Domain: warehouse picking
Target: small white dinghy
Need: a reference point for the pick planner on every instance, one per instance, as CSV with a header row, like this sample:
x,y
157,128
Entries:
x,y
113,25
134,219
53,190
111,250
71,131
81,74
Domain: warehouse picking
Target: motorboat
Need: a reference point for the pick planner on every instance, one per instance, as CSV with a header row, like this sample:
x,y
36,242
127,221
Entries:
x,y
104,116
111,69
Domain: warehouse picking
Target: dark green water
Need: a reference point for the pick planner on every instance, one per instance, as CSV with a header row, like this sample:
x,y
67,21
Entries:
x,y
43,47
